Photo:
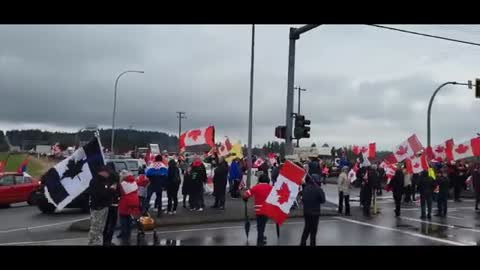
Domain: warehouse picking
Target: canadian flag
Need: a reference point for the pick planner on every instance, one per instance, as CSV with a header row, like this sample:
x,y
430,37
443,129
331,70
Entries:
x,y
2,165
258,162
198,137
470,148
390,170
280,200
224,148
417,164
367,151
352,175
441,152
272,158
405,150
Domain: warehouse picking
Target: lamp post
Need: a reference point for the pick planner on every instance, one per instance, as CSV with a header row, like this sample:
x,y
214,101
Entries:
x,y
115,105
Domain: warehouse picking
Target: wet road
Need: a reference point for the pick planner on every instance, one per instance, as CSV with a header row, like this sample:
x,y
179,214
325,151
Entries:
x,y
461,227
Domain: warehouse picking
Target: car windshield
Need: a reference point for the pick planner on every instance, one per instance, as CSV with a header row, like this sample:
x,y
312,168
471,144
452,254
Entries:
x,y
119,166
132,165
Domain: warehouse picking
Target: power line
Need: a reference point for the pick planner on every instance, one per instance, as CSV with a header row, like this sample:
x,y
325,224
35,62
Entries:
x,y
425,35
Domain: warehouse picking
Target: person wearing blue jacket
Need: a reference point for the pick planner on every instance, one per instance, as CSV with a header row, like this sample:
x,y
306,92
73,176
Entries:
x,y
235,176
157,173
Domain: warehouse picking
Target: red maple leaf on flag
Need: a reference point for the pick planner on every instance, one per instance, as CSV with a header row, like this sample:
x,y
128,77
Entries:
x,y
461,149
364,149
194,134
416,165
439,149
283,194
402,150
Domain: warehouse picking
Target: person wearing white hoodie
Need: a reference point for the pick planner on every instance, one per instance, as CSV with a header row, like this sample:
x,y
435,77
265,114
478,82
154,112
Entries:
x,y
344,187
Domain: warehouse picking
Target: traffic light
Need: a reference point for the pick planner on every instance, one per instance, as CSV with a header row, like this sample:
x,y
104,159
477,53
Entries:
x,y
302,130
280,132
477,88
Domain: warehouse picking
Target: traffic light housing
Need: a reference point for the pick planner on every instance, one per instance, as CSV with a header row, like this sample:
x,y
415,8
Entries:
x,y
301,130
477,88
280,132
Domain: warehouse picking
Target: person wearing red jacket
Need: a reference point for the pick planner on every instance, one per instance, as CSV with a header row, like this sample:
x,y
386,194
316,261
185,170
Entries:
x,y
142,183
260,192
128,206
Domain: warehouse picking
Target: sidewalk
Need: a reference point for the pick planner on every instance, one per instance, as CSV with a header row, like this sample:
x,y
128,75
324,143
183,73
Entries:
x,y
235,211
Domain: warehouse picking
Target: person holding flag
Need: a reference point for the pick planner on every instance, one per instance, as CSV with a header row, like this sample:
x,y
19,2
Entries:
x,y
260,193
23,167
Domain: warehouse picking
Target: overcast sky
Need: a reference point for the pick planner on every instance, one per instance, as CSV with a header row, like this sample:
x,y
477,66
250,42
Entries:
x,y
364,84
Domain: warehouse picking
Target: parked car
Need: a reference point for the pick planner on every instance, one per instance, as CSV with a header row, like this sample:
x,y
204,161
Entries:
x,y
16,187
82,201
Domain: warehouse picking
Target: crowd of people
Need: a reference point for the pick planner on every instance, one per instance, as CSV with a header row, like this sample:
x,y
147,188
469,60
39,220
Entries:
x,y
125,197
432,185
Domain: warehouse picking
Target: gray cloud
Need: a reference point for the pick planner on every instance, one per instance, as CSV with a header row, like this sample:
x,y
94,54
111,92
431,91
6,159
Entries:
x,y
363,84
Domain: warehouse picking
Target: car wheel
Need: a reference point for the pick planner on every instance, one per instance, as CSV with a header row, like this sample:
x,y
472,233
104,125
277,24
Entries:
x,y
31,199
46,208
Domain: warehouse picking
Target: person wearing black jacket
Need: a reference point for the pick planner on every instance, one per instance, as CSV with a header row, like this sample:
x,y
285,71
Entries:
x,y
366,193
187,188
173,184
397,183
312,197
443,186
199,178
220,184
426,186
459,181
101,196
112,215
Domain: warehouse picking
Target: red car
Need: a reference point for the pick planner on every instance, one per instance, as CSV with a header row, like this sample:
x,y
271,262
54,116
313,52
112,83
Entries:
x,y
15,188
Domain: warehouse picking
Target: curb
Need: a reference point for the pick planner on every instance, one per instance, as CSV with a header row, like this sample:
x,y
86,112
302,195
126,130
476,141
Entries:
x,y
84,225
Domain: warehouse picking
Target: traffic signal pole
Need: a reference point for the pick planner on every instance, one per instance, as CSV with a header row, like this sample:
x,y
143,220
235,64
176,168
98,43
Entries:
x,y
429,113
293,36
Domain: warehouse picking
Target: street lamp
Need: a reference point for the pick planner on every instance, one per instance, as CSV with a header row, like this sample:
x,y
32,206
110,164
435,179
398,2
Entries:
x,y
115,105
430,107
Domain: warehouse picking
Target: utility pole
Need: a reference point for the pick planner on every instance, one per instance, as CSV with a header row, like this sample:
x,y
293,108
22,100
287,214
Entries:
x,y
299,95
250,110
293,36
180,116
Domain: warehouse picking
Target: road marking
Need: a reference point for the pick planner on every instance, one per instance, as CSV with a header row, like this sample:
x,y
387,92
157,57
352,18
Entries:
x,y
44,226
158,232
404,232
455,217
41,242
428,222
459,227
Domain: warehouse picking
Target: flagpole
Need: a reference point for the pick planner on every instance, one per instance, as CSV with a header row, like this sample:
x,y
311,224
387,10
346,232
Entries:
x,y
250,111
